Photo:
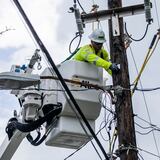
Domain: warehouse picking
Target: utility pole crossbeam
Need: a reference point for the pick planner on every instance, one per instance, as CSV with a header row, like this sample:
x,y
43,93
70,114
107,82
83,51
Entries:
x,y
107,14
124,112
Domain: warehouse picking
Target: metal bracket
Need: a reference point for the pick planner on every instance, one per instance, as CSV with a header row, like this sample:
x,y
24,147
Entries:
x,y
118,90
115,25
107,14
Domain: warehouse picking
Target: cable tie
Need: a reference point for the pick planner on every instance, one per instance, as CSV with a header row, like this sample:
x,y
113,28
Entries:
x,y
118,90
123,148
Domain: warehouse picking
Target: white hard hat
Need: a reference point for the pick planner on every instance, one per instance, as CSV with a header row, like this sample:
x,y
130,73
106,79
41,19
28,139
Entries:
x,y
97,36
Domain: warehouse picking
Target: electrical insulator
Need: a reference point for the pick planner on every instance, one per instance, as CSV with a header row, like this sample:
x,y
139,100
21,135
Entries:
x,y
147,6
78,20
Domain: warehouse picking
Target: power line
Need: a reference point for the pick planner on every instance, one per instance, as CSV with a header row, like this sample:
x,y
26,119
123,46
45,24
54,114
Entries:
x,y
82,125
149,127
148,152
146,105
147,89
81,6
101,128
145,33
152,125
140,156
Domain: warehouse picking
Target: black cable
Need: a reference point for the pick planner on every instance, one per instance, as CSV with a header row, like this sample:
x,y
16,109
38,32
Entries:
x,y
145,101
80,38
81,148
154,126
148,152
140,38
153,41
101,128
147,89
40,141
28,127
20,103
82,125
96,150
30,138
105,107
140,156
37,138
77,48
145,132
143,127
43,48
80,6
106,121
75,151
114,143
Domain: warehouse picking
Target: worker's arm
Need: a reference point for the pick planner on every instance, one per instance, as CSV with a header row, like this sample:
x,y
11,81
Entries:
x,y
87,54
92,58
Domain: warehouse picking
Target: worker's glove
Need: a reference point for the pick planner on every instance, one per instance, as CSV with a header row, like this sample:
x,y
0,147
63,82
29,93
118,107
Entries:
x,y
114,68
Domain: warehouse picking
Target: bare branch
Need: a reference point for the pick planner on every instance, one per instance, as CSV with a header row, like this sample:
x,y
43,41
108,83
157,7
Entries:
x,y
6,30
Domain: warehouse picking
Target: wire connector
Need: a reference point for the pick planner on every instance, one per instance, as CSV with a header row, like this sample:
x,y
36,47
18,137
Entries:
x,y
127,41
118,90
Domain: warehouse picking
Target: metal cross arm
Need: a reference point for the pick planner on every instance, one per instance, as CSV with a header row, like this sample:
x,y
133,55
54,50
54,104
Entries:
x,y
107,14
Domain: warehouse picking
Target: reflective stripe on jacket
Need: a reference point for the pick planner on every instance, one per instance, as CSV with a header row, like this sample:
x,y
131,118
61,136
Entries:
x,y
87,54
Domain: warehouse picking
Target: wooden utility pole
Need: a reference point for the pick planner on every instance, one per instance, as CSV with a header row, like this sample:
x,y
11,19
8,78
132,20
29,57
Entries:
x,y
124,113
127,149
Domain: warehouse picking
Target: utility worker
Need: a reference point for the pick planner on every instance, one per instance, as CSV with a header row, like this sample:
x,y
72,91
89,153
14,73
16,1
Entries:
x,y
94,53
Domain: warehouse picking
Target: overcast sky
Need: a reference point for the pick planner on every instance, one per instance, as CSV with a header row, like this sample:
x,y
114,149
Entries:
x,y
56,28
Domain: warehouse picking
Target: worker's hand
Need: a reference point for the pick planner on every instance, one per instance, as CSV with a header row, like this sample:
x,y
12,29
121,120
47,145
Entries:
x,y
114,68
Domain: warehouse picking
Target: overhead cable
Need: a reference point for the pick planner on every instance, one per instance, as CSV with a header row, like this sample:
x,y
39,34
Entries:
x,y
149,127
140,156
99,131
145,33
150,52
153,125
81,6
79,42
146,105
82,125
147,152
38,140
147,89
150,123
145,133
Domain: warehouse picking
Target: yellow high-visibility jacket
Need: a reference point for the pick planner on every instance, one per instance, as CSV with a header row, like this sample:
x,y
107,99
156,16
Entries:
x,y
88,54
